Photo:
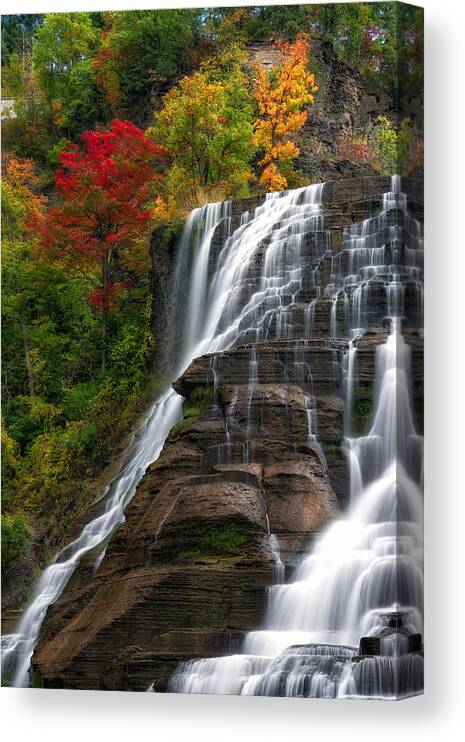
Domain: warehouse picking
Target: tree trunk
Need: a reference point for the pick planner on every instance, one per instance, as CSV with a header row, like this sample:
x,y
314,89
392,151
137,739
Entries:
x,y
27,356
106,279
103,362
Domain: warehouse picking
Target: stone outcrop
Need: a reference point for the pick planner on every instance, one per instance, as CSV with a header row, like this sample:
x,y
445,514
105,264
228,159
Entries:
x,y
188,571
187,574
345,105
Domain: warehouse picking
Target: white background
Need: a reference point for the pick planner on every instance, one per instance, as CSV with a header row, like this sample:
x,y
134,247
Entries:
x,y
88,716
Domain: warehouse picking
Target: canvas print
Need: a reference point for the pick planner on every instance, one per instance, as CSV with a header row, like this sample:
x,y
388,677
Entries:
x,y
212,367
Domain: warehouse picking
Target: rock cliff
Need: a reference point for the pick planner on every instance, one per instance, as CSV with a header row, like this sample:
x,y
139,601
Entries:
x,y
188,572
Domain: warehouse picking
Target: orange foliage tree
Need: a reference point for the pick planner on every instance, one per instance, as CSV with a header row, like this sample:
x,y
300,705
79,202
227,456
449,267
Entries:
x,y
282,94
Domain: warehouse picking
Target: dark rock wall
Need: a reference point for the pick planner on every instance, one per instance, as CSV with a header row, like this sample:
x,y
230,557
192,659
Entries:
x,y
187,574
346,104
163,246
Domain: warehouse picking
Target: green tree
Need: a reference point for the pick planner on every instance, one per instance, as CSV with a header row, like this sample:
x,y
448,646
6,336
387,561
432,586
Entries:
x,y
255,23
16,538
19,202
63,50
206,125
17,34
142,52
363,34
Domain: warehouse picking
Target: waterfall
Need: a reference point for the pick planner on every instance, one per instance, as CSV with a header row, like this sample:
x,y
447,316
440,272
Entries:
x,y
264,281
362,581
206,219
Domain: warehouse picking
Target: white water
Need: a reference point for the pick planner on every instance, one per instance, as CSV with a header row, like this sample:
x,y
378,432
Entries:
x,y
368,563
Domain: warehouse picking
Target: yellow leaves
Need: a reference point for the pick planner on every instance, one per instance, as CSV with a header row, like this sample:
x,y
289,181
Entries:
x,y
272,179
281,95
10,453
230,29
282,151
235,17
193,98
20,172
19,202
206,126
166,209
58,116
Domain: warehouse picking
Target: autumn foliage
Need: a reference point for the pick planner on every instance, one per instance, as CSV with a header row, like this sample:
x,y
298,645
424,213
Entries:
x,y
20,199
105,188
356,149
282,95
206,124
386,148
20,203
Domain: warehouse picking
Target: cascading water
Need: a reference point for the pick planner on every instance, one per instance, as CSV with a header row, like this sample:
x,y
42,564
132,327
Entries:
x,y
362,581
265,281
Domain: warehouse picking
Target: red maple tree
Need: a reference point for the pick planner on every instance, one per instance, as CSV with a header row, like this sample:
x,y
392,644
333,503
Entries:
x,y
105,188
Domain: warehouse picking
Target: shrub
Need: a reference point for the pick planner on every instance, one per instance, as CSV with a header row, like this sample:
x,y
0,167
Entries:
x,y
388,149
357,150
30,417
363,408
225,540
78,399
17,535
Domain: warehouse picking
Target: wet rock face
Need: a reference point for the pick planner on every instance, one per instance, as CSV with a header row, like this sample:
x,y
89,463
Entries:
x,y
187,574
